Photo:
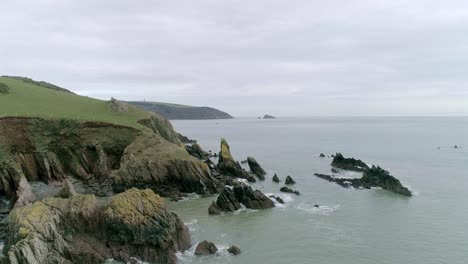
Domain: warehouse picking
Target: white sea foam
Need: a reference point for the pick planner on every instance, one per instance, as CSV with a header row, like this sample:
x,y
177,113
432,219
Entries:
x,y
287,198
190,196
321,210
192,225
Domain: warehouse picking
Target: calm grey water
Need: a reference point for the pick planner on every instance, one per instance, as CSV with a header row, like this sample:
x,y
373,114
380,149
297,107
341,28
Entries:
x,y
351,226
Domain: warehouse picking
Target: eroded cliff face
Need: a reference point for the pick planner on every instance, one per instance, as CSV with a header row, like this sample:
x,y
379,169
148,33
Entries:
x,y
105,156
84,229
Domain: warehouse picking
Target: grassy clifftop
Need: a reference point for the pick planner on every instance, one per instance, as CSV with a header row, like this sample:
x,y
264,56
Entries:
x,y
177,111
30,99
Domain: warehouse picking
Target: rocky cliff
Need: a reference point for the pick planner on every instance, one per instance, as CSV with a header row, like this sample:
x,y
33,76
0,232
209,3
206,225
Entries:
x,y
83,229
108,156
174,111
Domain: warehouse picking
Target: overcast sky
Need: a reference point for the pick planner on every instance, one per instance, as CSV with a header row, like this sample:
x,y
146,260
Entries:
x,y
286,58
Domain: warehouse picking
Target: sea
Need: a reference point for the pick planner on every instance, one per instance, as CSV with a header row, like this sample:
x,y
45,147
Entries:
x,y
350,225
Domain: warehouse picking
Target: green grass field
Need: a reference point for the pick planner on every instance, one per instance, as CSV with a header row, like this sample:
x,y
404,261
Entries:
x,y
30,100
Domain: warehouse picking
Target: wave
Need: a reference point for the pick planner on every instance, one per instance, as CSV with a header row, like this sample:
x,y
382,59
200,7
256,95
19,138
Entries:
x,y
321,210
287,198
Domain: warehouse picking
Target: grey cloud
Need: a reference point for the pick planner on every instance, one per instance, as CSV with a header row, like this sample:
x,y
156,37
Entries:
x,y
300,57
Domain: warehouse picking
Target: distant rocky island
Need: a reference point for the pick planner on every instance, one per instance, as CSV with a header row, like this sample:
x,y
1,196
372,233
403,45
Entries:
x,y
176,111
268,117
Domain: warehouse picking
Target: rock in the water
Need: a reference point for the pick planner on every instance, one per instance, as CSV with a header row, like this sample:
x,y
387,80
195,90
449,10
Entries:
x,y
268,117
67,190
252,199
289,180
289,190
279,200
372,177
348,163
333,170
322,155
196,150
230,200
251,179
205,248
80,229
226,202
226,163
256,168
275,178
234,250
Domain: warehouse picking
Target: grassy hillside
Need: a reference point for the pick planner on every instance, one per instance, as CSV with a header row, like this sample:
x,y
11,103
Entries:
x,y
177,111
29,98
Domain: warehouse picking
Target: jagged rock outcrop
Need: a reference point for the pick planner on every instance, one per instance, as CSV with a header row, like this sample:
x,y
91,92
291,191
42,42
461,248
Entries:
x,y
289,180
348,163
82,230
197,151
226,163
206,248
372,177
152,162
118,106
24,193
289,190
231,200
234,250
276,178
185,139
256,169
162,127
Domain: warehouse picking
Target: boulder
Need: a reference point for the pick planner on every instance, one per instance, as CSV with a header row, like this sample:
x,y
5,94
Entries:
x,y
268,117
206,248
256,168
279,200
348,163
226,163
333,170
322,155
289,190
67,190
230,200
226,202
24,193
251,179
275,178
234,250
82,229
289,180
252,199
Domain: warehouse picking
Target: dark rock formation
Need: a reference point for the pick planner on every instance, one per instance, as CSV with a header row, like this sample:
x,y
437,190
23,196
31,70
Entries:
x,y
333,170
252,199
275,178
197,151
82,230
226,163
268,117
206,248
231,200
372,177
348,163
289,180
185,139
226,202
256,168
322,155
289,190
173,111
251,179
234,250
